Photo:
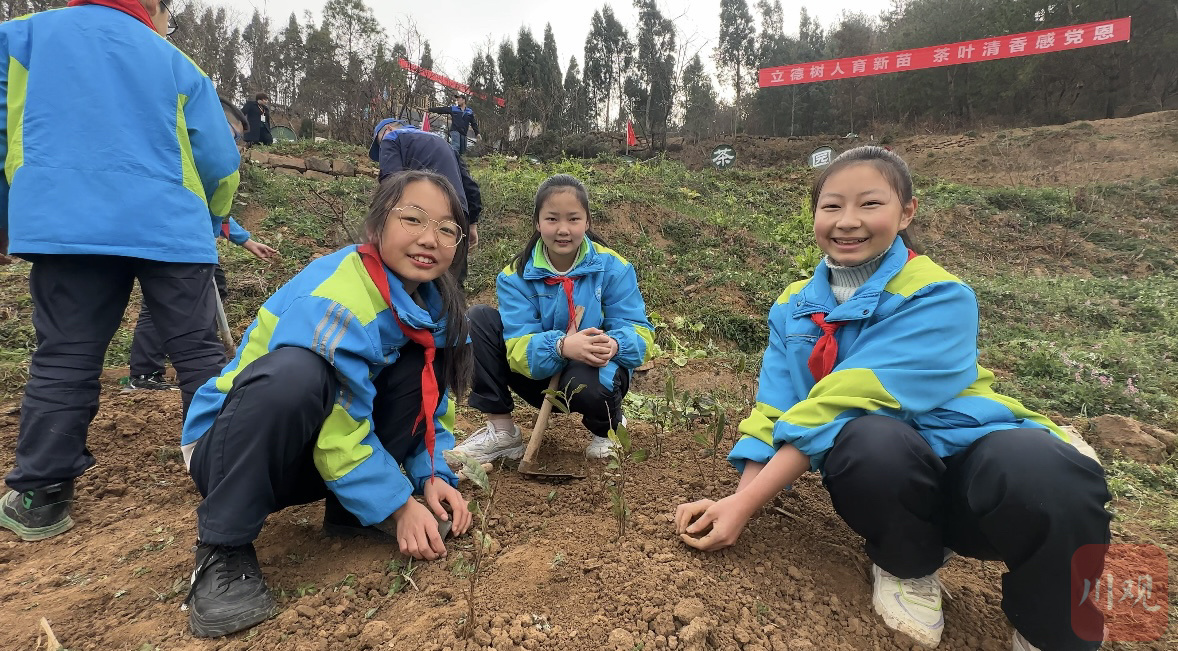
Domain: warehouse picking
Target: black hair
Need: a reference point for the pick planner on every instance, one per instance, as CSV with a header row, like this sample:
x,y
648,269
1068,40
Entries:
x,y
261,96
456,358
550,186
890,165
231,111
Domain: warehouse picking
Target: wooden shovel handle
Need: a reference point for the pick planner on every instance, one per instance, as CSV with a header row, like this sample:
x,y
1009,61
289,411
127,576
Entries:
x,y
546,408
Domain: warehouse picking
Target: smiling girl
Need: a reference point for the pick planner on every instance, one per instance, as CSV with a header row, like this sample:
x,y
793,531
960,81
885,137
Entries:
x,y
523,344
340,382
872,378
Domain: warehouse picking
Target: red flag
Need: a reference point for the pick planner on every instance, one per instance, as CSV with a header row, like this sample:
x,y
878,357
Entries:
x,y
631,139
425,121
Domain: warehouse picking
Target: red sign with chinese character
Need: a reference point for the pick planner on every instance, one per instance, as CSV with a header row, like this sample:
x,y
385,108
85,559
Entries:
x,y
1131,592
985,49
446,81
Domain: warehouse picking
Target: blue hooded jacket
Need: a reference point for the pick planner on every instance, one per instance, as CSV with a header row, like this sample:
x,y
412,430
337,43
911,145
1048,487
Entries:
x,y
114,141
410,148
907,349
333,308
536,314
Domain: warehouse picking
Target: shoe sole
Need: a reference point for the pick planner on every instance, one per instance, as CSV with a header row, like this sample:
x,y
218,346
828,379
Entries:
x,y
902,625
33,534
238,622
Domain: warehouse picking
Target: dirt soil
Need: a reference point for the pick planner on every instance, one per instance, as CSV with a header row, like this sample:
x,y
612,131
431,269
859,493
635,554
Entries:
x,y
1074,154
557,578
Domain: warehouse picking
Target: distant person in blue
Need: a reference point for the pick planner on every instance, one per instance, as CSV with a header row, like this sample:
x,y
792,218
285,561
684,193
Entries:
x,y
133,203
461,118
399,146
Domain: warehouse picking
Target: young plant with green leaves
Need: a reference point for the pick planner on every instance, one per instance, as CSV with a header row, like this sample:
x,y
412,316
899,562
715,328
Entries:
x,y
713,436
621,455
480,507
562,398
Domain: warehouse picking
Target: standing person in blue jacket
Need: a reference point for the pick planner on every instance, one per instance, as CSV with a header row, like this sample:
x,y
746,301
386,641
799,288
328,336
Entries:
x,y
147,349
523,344
343,379
872,378
133,203
398,146
461,119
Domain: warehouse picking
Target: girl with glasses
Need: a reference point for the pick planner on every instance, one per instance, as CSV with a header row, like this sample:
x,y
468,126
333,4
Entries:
x,y
340,390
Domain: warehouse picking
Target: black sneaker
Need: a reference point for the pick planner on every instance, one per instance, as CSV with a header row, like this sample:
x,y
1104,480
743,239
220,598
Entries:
x,y
154,381
339,522
228,593
40,513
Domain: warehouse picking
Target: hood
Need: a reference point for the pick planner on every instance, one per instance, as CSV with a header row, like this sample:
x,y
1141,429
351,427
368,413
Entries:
x,y
129,7
374,150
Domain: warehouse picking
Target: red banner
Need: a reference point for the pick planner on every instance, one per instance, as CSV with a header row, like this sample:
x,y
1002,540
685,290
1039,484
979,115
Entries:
x,y
985,49
446,81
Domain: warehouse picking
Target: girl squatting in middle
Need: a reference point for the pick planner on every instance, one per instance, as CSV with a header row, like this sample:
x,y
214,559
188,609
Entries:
x,y
521,345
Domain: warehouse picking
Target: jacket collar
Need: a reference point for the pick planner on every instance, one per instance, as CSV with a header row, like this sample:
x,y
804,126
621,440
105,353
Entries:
x,y
587,262
817,295
130,7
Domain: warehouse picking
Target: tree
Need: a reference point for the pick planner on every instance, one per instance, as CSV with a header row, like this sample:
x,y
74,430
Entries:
x,y
734,52
551,89
854,36
290,62
607,58
699,111
774,48
259,55
655,68
575,118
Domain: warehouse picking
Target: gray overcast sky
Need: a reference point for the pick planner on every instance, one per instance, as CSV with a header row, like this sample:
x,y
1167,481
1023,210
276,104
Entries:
x,y
456,29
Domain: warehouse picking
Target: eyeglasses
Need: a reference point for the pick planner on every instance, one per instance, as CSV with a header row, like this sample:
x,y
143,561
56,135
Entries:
x,y
415,220
171,17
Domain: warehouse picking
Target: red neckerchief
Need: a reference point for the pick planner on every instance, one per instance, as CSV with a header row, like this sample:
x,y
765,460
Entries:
x,y
129,7
826,351
568,290
429,382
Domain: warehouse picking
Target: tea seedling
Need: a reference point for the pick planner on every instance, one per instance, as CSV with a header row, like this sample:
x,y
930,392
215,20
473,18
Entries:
x,y
621,455
474,471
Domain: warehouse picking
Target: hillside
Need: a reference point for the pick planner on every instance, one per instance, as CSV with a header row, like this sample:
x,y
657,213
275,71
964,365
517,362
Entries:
x,y
1067,234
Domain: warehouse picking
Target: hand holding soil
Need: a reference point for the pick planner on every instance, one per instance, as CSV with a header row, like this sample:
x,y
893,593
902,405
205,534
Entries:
x,y
720,523
417,532
438,496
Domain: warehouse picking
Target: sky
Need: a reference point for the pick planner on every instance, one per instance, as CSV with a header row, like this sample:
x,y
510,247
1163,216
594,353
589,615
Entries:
x,y
456,29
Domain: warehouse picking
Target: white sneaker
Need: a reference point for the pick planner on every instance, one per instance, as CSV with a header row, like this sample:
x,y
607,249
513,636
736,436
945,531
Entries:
x,y
599,447
911,606
1020,643
488,443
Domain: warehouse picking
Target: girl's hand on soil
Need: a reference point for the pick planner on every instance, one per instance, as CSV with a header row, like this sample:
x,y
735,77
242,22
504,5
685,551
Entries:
x,y
417,532
685,513
438,491
260,251
726,519
590,346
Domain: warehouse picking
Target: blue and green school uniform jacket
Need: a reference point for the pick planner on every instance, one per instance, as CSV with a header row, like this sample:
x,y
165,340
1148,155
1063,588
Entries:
x,y
907,349
535,314
333,308
114,141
